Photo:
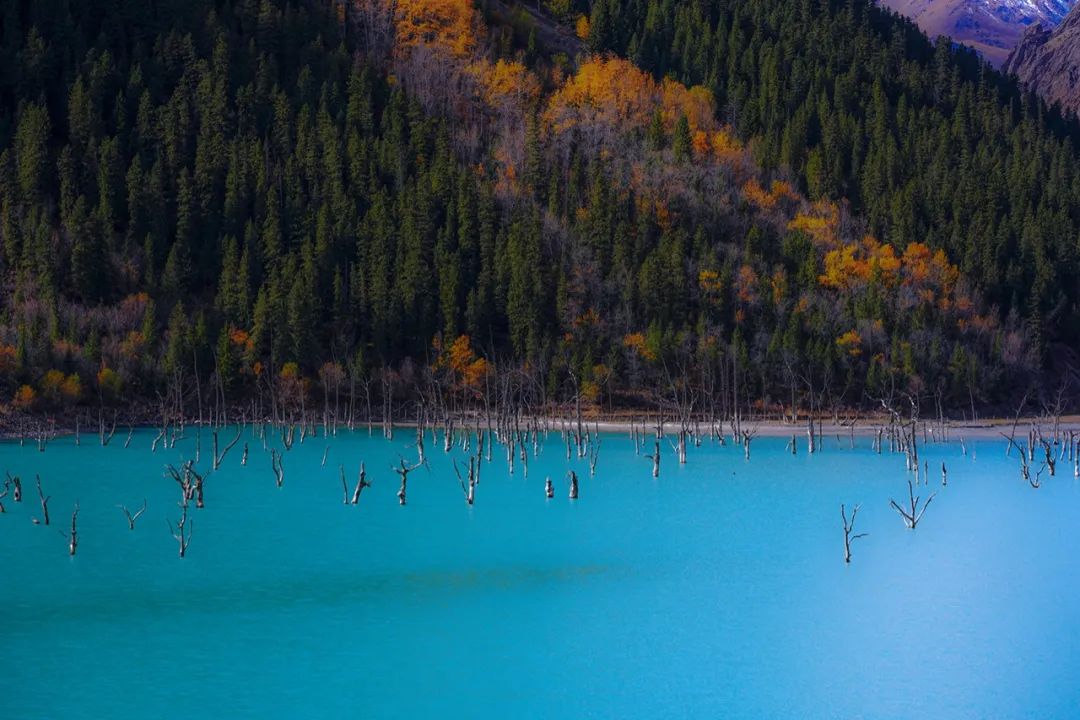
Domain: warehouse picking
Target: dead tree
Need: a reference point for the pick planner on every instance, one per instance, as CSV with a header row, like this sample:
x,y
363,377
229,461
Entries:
x,y
106,436
1036,482
747,436
219,457
344,486
16,485
1050,461
181,529
7,488
244,457
944,475
470,489
849,526
278,467
912,514
132,518
73,536
549,488
594,455
44,501
188,479
198,487
573,485
361,483
655,457
403,470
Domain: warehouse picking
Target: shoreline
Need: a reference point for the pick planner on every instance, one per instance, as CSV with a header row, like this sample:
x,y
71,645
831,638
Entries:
x,y
861,426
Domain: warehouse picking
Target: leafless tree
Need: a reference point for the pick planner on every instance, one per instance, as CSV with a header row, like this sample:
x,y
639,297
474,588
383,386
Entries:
x,y
132,518
849,526
44,501
181,529
16,485
278,467
220,456
106,436
73,536
549,488
361,483
7,489
468,489
655,457
573,485
403,471
912,514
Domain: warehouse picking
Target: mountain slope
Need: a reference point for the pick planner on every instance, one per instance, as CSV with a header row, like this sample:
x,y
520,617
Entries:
x,y
1048,62
993,27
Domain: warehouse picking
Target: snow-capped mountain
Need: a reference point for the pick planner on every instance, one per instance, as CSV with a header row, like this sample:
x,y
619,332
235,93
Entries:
x,y
993,27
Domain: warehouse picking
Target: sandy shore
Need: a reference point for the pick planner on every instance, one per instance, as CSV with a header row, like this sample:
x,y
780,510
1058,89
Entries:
x,y
863,426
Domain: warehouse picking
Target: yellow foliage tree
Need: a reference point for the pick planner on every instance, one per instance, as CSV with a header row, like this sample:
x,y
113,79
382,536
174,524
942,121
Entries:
x,y
605,91
448,24
582,28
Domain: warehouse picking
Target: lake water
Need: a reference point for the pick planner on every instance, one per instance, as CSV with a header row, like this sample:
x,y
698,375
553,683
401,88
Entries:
x,y
718,590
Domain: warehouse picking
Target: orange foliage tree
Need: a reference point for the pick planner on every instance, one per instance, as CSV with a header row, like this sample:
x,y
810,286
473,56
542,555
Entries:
x,y
447,24
606,92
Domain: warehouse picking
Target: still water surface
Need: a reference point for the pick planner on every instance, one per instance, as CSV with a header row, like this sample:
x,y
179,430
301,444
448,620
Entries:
x,y
718,590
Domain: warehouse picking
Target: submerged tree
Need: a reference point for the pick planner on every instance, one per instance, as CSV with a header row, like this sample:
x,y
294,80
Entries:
x,y
849,527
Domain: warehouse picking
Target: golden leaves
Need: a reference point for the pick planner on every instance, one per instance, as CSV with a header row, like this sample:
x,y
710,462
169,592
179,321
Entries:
x,y
448,24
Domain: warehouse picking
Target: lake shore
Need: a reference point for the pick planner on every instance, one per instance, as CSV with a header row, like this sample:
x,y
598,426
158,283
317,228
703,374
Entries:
x,y
16,426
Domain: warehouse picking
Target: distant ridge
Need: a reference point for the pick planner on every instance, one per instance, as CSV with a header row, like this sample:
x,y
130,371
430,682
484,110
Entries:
x,y
993,27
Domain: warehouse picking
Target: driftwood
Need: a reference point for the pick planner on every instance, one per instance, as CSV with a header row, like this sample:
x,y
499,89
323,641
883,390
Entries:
x,y
912,514
132,518
849,527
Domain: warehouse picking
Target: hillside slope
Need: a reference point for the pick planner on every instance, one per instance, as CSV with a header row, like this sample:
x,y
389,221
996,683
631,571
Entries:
x,y
993,27
1048,62
267,205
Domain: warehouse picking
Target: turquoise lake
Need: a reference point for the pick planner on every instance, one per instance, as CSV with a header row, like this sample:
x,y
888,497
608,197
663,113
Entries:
x,y
718,590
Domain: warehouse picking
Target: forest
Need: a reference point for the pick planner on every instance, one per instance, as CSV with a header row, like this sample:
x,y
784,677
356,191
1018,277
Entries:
x,y
715,206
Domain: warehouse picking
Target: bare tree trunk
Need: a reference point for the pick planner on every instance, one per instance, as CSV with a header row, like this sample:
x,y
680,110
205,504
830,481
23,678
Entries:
x,y
361,483
849,526
278,467
44,501
73,537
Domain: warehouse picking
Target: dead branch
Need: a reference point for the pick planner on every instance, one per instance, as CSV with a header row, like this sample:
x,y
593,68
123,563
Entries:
x,y
912,514
132,518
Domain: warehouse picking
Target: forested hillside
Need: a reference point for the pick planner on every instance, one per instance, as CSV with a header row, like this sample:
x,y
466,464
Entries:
x,y
926,142
795,205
